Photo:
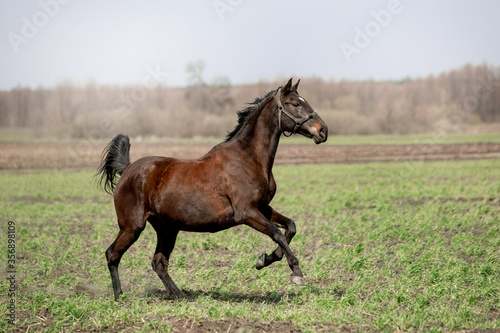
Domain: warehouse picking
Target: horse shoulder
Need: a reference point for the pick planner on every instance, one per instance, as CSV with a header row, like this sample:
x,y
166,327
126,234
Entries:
x,y
245,185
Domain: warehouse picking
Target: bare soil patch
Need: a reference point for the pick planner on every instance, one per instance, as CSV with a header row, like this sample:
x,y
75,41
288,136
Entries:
x,y
183,325
39,156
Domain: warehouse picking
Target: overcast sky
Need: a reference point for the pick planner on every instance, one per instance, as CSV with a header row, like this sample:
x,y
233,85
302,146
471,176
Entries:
x,y
47,42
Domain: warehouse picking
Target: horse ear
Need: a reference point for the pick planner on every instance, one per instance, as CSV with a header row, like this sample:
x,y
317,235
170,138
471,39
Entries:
x,y
296,85
287,86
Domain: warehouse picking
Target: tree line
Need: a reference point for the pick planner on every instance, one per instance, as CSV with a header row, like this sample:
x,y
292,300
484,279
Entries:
x,y
444,103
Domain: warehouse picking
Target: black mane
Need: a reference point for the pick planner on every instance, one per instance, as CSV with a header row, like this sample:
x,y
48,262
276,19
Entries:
x,y
245,114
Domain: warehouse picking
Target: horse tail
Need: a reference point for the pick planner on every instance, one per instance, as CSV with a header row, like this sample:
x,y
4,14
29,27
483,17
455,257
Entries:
x,y
115,158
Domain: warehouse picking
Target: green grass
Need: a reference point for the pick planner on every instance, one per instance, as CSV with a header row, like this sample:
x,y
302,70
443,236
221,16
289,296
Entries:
x,y
26,135
15,134
384,246
402,139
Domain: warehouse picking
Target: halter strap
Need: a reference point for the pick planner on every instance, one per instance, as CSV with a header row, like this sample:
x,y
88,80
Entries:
x,y
298,121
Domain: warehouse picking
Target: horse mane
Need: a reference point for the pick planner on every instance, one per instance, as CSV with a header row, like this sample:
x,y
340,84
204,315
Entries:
x,y
247,113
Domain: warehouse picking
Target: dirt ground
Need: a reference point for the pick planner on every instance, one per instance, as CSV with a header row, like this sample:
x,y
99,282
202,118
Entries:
x,y
39,156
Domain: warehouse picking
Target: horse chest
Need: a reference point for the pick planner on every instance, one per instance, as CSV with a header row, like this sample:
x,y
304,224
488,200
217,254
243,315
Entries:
x,y
258,190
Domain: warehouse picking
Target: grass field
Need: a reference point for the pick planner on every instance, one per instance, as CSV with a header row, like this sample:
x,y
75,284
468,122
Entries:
x,y
384,246
403,139
26,135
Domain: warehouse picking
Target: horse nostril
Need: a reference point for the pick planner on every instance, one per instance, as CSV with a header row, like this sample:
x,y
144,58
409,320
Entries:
x,y
322,132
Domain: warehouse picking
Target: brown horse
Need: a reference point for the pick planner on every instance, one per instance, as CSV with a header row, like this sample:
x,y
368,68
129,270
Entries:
x,y
231,185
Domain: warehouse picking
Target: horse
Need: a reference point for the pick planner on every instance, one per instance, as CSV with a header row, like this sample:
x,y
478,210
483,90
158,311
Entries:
x,y
231,185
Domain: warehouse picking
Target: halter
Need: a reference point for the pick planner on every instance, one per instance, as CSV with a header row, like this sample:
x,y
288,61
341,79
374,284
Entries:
x,y
298,121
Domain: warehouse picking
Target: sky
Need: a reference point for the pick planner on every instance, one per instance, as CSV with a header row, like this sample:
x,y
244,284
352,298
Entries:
x,y
49,42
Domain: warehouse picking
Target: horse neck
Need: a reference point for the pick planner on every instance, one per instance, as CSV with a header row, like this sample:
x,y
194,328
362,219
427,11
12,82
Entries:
x,y
260,136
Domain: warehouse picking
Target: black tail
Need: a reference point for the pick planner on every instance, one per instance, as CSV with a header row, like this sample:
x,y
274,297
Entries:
x,y
115,158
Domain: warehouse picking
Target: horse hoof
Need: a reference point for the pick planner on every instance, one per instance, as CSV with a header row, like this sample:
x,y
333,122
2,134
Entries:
x,y
298,280
260,262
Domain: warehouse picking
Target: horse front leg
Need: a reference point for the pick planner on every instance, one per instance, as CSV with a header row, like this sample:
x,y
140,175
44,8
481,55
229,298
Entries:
x,y
257,220
283,222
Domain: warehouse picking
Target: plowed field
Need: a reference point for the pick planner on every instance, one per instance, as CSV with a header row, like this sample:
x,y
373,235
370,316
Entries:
x,y
28,156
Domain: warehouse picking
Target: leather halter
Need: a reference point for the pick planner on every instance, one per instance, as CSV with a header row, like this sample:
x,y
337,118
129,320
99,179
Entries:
x,y
298,121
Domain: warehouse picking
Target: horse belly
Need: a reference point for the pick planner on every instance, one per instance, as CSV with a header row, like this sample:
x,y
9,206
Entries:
x,y
197,211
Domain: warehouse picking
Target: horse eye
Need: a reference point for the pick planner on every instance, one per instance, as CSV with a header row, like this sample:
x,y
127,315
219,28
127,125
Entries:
x,y
296,105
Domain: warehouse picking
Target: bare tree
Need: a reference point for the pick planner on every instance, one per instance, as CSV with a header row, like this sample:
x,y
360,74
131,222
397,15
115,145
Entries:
x,y
450,101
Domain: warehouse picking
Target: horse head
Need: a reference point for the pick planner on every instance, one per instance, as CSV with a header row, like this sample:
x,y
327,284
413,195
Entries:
x,y
297,116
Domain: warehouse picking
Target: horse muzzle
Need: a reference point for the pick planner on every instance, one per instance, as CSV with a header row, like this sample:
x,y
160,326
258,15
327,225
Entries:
x,y
321,136
317,131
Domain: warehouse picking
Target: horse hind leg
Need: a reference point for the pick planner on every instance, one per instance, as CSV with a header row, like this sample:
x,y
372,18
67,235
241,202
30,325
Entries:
x,y
166,242
126,237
